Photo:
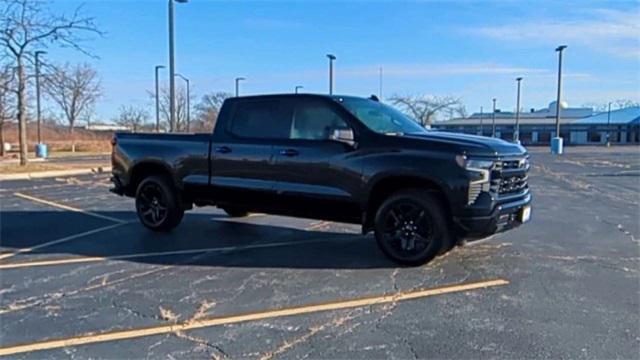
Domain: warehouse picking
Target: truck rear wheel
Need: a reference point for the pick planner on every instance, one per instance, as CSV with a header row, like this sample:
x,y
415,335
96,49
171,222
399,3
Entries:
x,y
158,204
411,227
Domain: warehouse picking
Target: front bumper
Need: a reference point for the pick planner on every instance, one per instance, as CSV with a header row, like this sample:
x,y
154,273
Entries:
x,y
504,216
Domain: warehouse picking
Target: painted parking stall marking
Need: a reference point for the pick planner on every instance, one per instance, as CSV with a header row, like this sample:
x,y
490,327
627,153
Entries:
x,y
255,316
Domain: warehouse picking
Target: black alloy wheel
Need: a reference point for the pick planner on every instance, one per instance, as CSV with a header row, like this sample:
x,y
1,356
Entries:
x,y
410,227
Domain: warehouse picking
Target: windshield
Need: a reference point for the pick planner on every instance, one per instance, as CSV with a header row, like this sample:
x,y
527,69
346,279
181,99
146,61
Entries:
x,y
381,118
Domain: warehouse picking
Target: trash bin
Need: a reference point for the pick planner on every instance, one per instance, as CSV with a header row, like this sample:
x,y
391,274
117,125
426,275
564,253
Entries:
x,y
41,151
556,146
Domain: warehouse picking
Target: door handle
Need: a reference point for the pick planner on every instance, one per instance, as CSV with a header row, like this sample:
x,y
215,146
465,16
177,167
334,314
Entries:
x,y
289,152
223,149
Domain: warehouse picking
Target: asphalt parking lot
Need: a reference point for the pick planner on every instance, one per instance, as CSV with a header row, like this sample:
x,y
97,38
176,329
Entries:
x,y
81,278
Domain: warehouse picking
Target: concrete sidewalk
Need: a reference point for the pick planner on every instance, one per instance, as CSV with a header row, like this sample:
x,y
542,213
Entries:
x,y
54,173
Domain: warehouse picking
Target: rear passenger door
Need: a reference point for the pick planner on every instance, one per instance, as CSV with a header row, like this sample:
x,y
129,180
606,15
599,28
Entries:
x,y
242,170
312,171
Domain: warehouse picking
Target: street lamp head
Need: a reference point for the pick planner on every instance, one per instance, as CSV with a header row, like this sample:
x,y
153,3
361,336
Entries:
x,y
40,52
160,66
181,1
240,78
519,79
561,47
331,57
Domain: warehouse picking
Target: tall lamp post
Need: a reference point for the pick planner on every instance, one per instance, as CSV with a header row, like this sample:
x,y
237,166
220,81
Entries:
x,y
298,87
188,102
332,58
172,70
516,133
158,67
238,79
556,142
38,108
493,119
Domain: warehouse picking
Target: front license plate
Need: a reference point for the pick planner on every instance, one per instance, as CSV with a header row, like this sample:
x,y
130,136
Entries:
x,y
525,214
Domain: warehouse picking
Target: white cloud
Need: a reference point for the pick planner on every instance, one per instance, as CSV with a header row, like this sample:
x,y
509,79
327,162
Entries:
x,y
610,31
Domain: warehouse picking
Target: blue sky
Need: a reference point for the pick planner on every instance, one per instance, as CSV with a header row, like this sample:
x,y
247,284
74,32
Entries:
x,y
469,49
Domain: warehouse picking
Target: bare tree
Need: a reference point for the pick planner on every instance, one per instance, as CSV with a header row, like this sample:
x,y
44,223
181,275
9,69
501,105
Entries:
x,y
208,109
181,108
6,100
75,89
27,26
425,109
132,117
625,103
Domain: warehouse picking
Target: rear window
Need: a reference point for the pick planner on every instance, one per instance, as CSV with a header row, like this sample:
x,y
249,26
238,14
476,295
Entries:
x,y
262,119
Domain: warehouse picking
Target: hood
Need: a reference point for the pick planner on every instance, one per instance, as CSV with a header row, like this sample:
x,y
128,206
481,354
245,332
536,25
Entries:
x,y
473,144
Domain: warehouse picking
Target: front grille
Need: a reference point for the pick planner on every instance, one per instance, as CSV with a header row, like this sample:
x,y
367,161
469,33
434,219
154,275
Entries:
x,y
510,184
510,176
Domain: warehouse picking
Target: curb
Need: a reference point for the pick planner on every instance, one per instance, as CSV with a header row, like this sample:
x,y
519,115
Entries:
x,y
54,173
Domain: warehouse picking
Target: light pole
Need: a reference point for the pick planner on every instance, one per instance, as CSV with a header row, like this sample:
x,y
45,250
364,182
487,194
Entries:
x,y
332,58
158,67
493,119
172,70
188,102
556,142
38,111
609,125
238,79
481,115
298,87
516,133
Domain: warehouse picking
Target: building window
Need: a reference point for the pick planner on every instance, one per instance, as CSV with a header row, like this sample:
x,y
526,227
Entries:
x,y
594,136
544,137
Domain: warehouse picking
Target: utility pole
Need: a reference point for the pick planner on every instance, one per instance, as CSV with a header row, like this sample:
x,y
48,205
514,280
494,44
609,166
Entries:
x,y
238,79
158,67
493,119
556,143
332,58
38,108
298,87
516,133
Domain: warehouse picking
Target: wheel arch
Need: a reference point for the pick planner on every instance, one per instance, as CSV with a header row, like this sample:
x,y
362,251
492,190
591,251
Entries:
x,y
144,169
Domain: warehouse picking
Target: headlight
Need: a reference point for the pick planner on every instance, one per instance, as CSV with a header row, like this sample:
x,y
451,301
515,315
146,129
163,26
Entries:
x,y
473,164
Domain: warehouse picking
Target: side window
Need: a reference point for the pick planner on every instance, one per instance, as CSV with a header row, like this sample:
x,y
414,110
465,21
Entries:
x,y
262,119
315,120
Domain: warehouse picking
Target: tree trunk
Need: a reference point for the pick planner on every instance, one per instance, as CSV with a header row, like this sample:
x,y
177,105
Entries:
x,y
1,134
22,114
73,139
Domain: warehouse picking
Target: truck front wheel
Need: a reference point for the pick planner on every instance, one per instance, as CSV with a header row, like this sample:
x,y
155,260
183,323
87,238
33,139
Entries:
x,y
158,204
411,227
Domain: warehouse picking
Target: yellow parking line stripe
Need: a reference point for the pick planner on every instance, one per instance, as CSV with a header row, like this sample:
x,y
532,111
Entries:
x,y
67,207
255,316
58,241
149,254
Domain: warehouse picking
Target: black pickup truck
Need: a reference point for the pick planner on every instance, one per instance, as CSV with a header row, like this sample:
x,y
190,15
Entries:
x,y
338,158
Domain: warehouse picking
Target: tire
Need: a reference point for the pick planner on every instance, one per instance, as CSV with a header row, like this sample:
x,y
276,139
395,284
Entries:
x,y
411,227
158,204
235,212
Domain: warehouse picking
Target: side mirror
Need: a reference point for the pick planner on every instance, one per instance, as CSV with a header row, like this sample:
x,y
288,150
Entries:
x,y
343,136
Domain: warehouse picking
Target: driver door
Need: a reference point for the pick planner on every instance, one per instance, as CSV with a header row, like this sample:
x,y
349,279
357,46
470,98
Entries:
x,y
314,174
